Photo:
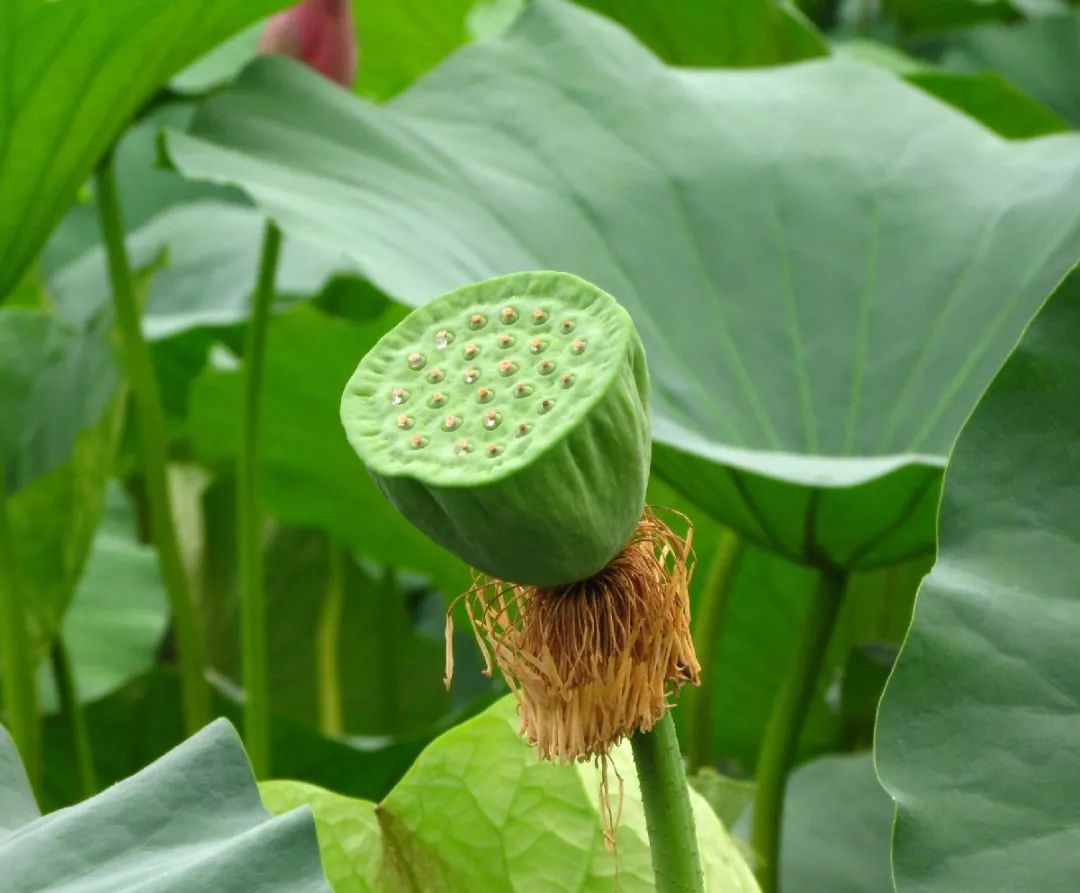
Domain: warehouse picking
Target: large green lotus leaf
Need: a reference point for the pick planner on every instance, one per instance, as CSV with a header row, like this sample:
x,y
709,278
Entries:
x,y
822,260
190,821
74,74
349,836
56,380
311,476
837,827
477,811
728,33
138,722
984,95
1041,56
119,613
976,737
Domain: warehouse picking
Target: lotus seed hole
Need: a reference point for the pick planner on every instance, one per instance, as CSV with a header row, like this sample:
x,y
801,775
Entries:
x,y
546,367
507,367
470,351
416,361
438,399
443,339
508,315
567,326
471,375
506,341
539,316
546,406
405,421
493,450
418,442
523,428
451,423
484,395
566,380
522,390
463,447
436,375
537,345
492,418
577,346
477,321
399,396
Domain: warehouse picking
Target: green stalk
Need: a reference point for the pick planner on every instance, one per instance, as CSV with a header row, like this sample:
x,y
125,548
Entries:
x,y
71,710
707,629
20,692
786,723
249,517
150,415
672,838
327,635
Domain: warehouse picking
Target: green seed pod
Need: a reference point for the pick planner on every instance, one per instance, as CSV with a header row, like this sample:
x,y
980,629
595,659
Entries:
x,y
529,476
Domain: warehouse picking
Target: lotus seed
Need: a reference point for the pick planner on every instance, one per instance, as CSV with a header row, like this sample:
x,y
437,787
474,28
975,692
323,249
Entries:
x,y
566,380
436,375
399,397
470,351
477,321
484,395
546,367
539,316
506,341
508,315
451,423
493,450
523,428
522,390
507,367
567,326
546,406
417,361
405,421
537,345
492,418
463,447
578,346
443,339
438,399
418,442
471,375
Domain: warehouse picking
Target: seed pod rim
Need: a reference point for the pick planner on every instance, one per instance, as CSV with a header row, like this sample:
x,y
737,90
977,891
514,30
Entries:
x,y
363,417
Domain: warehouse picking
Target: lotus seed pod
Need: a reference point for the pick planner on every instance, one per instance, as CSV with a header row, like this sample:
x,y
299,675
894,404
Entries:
x,y
528,476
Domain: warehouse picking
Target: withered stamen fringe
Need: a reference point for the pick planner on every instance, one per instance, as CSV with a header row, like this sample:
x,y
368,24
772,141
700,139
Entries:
x,y
593,661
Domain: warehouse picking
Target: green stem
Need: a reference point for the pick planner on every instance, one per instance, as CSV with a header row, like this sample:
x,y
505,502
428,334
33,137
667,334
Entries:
x,y
786,722
672,838
708,626
71,710
153,442
327,635
20,692
249,517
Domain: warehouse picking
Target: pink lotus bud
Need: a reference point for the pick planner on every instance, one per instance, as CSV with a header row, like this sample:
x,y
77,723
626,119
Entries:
x,y
318,33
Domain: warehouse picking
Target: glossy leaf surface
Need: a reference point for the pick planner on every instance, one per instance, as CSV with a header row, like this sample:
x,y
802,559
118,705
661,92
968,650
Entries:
x,y
976,734
809,377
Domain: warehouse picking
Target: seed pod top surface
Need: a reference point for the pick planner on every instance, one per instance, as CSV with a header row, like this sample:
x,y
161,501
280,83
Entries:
x,y
510,417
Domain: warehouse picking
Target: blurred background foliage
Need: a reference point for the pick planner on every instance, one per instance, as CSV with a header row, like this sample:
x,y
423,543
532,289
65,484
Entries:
x,y
357,596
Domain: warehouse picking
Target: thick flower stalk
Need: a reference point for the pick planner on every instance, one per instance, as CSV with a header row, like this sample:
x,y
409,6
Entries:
x,y
509,420
319,33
